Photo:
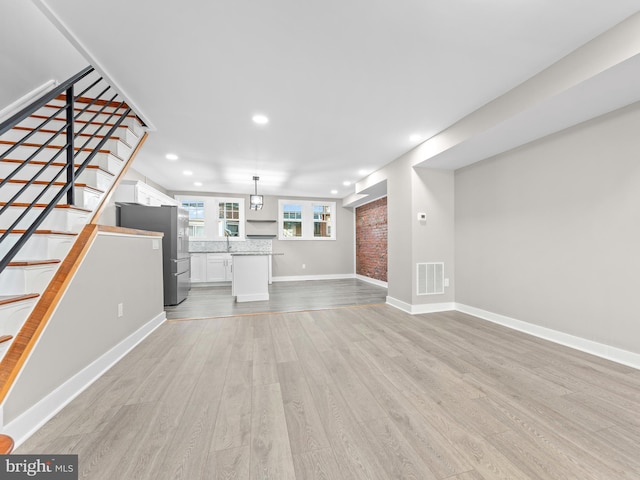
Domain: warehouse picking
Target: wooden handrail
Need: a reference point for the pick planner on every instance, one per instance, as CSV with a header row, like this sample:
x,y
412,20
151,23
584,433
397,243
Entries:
x,y
6,444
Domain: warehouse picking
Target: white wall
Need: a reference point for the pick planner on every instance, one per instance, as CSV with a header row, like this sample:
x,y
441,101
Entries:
x,y
549,233
33,51
85,331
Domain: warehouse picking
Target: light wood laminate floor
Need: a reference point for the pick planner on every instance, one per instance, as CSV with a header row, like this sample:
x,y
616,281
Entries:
x,y
352,393
216,300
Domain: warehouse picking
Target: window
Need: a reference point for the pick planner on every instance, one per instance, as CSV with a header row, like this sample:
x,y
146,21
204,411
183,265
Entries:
x,y
306,220
228,219
292,220
322,221
214,218
196,217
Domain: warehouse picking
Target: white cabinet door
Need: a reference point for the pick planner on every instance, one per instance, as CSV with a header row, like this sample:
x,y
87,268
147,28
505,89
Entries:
x,y
217,267
198,267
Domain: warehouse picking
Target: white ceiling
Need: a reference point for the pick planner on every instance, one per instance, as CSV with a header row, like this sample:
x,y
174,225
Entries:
x,y
344,82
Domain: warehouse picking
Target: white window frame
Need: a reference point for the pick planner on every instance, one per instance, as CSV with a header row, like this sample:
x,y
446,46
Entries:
x,y
211,220
307,219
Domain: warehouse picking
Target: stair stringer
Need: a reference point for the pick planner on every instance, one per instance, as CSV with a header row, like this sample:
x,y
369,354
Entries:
x,y
31,329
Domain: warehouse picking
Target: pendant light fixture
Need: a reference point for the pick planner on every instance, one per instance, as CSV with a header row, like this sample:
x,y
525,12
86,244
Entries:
x,y
256,201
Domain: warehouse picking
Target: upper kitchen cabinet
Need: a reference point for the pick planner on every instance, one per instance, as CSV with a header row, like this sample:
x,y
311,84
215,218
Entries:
x,y
136,191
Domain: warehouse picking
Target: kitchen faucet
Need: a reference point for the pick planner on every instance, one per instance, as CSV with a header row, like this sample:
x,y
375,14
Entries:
x,y
227,234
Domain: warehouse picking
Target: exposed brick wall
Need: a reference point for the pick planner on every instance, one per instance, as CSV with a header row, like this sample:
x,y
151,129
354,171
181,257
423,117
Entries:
x,y
371,240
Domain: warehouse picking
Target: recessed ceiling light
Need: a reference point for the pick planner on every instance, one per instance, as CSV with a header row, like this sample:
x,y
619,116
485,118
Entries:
x,y
346,183
416,137
363,172
197,184
187,172
171,156
334,192
260,119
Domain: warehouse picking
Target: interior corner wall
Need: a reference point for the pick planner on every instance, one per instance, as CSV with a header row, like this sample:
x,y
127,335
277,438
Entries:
x,y
371,239
399,221
548,233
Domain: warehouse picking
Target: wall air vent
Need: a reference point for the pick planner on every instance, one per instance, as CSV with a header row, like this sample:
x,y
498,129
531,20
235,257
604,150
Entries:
x,y
430,278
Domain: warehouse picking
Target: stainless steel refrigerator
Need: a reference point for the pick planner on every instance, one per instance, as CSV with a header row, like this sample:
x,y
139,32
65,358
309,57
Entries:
x,y
174,223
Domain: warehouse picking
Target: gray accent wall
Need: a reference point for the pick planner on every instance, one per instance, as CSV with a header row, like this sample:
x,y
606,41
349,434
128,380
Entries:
x,y
85,326
320,257
549,233
433,240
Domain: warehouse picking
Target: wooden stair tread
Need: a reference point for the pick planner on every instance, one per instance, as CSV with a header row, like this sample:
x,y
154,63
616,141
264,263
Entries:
x,y
63,97
7,299
55,184
45,130
55,164
62,119
91,112
53,147
31,263
5,338
44,205
40,232
6,444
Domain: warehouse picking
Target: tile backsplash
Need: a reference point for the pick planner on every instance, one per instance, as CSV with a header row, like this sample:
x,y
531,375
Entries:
x,y
249,245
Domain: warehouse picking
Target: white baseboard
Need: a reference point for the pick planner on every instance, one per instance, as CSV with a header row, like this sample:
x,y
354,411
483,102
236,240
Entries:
x,y
255,297
602,350
300,278
380,283
22,427
422,308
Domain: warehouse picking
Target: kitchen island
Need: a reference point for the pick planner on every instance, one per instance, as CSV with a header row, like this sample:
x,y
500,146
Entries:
x,y
250,277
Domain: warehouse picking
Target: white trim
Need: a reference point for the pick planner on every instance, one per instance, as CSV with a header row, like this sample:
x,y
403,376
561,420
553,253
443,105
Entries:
x,y
252,297
299,278
420,308
23,101
91,59
602,350
380,283
22,427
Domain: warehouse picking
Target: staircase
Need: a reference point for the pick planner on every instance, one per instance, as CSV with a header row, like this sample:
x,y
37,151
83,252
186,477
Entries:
x,y
60,159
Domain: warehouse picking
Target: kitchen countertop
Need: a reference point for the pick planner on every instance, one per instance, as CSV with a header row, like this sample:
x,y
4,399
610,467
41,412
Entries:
x,y
239,252
236,254
210,251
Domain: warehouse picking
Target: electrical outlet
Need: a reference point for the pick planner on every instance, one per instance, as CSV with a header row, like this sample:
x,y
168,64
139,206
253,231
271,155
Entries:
x,y
155,244
120,310
446,282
